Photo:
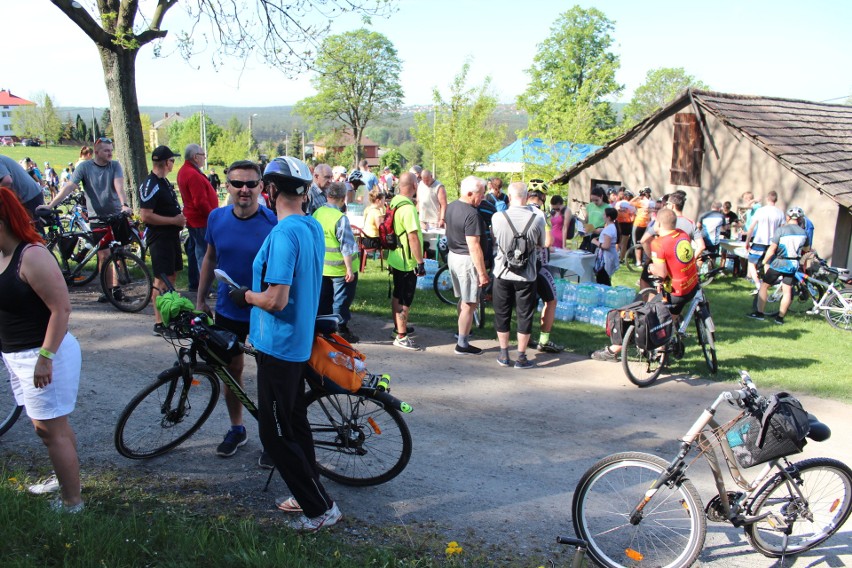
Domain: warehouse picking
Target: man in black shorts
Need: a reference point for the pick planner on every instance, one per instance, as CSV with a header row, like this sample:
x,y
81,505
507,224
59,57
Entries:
x,y
160,211
544,284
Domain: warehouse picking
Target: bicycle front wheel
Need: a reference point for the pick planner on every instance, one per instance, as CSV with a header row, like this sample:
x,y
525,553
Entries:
x,y
810,517
707,340
9,409
671,530
706,268
133,283
165,414
443,285
358,441
630,258
641,366
836,313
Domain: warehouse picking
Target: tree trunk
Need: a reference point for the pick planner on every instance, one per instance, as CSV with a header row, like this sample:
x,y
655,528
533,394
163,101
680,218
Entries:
x,y
120,78
356,135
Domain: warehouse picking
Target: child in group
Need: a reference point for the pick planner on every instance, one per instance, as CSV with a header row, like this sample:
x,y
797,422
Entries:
x,y
374,215
557,218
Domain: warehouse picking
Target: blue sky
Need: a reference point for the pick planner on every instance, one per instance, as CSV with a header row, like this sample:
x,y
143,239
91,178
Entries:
x,y
774,48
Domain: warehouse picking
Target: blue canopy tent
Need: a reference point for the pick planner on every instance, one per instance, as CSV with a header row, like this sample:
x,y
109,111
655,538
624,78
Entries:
x,y
514,157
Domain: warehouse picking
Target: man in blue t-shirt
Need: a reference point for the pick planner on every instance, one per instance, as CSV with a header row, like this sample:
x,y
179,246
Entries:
x,y
234,235
283,314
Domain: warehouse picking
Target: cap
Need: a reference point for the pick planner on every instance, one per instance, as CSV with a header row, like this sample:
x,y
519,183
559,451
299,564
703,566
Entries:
x,y
338,170
162,153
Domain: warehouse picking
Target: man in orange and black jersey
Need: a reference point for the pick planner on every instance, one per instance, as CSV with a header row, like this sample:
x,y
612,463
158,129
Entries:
x,y
673,261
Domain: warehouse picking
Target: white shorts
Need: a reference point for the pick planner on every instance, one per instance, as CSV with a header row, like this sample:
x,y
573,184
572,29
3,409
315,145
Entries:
x,y
59,397
465,280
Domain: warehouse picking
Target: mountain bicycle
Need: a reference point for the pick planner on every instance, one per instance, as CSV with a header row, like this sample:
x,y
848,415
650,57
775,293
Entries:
x,y
637,509
360,438
643,366
9,409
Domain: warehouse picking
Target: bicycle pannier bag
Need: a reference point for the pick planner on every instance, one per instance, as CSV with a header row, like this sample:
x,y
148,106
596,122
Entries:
x,y
780,431
653,325
517,256
619,319
337,364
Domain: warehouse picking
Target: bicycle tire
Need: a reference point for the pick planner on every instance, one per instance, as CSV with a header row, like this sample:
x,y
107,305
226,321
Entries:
x,y
672,530
444,294
152,424
74,274
640,366
479,314
357,439
134,281
773,300
827,488
834,312
707,340
10,416
630,258
136,247
707,266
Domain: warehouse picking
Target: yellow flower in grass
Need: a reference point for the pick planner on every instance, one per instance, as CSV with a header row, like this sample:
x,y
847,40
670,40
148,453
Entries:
x,y
453,548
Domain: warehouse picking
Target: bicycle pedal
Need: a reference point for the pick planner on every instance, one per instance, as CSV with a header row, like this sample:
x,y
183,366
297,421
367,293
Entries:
x,y
777,522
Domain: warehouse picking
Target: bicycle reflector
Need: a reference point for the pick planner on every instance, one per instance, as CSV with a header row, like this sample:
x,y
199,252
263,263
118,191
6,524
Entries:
x,y
634,555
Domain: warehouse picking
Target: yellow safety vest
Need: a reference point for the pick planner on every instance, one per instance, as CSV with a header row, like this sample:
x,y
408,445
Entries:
x,y
333,265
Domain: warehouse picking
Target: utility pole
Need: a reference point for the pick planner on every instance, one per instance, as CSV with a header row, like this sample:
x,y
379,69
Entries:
x,y
94,136
203,126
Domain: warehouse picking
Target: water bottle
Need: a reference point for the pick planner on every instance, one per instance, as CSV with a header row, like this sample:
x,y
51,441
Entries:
x,y
384,382
353,364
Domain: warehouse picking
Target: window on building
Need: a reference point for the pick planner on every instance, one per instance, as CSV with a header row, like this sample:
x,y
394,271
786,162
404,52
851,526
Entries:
x,y
605,184
687,150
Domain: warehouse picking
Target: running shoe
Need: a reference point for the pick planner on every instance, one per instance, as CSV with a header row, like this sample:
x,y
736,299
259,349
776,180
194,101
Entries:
x,y
327,519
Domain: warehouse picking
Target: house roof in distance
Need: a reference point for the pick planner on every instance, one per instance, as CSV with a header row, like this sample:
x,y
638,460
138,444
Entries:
x,y
8,99
813,140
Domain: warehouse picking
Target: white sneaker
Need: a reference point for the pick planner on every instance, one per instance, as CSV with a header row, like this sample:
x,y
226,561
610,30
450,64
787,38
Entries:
x,y
405,343
49,485
327,519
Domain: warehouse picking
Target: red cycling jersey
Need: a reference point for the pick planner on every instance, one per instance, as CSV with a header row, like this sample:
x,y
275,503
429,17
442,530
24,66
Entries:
x,y
675,250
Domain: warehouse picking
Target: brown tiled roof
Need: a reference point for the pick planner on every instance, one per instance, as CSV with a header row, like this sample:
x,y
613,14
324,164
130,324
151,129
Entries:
x,y
813,140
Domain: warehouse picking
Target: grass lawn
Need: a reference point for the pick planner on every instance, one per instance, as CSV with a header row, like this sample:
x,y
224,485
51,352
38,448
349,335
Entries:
x,y
805,354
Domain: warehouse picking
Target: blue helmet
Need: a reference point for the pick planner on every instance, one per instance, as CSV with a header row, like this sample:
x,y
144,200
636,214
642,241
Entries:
x,y
289,175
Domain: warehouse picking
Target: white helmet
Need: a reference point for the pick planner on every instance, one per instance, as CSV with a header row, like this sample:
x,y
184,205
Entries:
x,y
289,175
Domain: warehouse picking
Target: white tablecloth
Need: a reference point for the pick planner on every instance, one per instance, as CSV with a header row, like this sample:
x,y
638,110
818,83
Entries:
x,y
432,236
579,262
356,220
736,247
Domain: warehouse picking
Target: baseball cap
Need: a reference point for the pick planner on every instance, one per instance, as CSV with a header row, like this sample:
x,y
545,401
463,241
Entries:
x,y
162,153
338,170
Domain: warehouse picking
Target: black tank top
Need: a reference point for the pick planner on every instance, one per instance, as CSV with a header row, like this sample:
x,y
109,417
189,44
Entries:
x,y
23,315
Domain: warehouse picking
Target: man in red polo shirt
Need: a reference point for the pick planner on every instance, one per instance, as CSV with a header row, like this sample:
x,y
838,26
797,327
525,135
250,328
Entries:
x,y
199,199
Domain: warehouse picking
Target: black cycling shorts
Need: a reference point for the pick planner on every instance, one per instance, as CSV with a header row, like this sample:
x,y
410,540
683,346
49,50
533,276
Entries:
x,y
772,277
544,285
508,294
404,286
678,302
166,256
238,328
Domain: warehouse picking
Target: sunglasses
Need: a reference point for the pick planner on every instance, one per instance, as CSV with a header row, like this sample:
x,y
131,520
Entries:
x,y
237,184
105,140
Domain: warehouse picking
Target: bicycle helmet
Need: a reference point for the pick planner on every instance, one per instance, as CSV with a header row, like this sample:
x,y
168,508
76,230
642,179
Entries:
x,y
356,177
795,213
289,175
645,191
537,184
628,194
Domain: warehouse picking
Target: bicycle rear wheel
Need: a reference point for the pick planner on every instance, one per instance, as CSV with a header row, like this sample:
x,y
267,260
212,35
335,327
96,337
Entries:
x,y
133,281
707,266
78,268
836,313
672,528
707,340
641,366
9,409
822,508
165,414
630,258
358,441
443,286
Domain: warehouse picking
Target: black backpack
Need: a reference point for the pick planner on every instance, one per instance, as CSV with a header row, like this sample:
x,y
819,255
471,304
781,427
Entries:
x,y
517,257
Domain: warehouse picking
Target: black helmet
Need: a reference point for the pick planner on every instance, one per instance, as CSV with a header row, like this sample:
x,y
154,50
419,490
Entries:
x,y
289,175
356,177
645,191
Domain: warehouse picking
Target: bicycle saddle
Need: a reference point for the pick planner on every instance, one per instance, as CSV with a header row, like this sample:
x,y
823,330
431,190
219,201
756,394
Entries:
x,y
326,324
819,432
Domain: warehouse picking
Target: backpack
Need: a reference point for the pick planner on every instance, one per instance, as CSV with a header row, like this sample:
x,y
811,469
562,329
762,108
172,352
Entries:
x,y
517,257
388,239
653,325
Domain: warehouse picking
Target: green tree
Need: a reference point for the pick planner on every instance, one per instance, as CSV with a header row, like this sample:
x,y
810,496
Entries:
x,y
661,86
106,123
81,130
412,151
185,132
145,121
38,121
230,147
357,81
392,159
462,132
572,75
234,125
281,32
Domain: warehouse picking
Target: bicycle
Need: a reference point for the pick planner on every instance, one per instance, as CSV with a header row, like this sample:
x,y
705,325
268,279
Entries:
x,y
443,286
643,366
581,546
633,507
834,303
76,253
9,409
360,438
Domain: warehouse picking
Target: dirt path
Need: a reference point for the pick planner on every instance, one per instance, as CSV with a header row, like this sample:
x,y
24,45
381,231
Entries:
x,y
497,451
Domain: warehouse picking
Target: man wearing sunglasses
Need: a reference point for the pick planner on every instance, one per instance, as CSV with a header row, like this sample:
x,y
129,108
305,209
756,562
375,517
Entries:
x,y
198,196
234,235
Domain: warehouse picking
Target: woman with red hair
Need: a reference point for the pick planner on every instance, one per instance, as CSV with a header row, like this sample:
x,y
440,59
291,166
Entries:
x,y
43,359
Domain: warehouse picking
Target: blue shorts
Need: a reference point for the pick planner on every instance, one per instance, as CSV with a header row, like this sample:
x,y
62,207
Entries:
x,y
756,253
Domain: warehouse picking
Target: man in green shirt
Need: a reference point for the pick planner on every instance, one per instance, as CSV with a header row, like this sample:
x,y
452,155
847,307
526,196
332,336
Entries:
x,y
406,260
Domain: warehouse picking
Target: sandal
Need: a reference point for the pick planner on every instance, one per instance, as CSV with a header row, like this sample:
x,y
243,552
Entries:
x,y
288,505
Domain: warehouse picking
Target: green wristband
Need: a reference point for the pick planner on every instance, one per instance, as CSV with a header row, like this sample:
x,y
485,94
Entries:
x,y
45,353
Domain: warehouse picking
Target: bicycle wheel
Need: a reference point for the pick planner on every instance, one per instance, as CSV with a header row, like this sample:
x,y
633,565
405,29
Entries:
x,y
358,441
479,314
773,298
822,508
707,340
165,414
77,269
9,409
672,528
136,247
642,367
133,280
836,313
708,265
443,285
630,258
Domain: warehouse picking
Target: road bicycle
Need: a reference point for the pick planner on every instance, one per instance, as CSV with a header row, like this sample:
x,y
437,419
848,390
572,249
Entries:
x,y
360,438
9,409
637,509
643,366
76,253
820,295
